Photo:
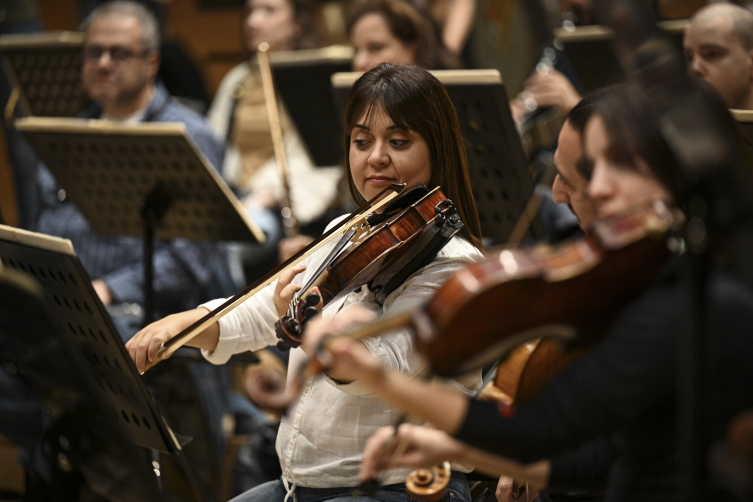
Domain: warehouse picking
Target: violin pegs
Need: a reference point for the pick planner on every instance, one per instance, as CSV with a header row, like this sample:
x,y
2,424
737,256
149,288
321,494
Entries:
x,y
291,325
283,345
312,300
309,313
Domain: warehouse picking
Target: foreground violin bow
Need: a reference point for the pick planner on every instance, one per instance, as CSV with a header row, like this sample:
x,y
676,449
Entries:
x,y
356,218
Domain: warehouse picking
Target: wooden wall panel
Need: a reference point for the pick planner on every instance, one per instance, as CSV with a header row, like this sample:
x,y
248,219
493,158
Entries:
x,y
59,14
212,37
7,190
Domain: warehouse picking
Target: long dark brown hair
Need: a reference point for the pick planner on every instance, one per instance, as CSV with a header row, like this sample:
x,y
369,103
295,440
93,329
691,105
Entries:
x,y
414,99
633,129
412,24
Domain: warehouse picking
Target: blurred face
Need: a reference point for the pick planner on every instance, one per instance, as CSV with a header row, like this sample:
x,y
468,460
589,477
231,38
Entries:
x,y
614,188
381,154
374,43
271,21
570,186
116,69
716,55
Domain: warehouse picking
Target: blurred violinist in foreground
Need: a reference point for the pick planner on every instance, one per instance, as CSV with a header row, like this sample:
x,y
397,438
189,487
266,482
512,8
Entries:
x,y
401,129
607,422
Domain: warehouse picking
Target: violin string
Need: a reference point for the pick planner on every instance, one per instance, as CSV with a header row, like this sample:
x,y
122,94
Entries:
x,y
332,256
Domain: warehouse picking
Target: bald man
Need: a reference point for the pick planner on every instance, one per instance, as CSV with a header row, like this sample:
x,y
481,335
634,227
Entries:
x,y
719,49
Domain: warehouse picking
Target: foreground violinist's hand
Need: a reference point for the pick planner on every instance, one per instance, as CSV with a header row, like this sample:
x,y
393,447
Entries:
x,y
146,343
350,360
425,447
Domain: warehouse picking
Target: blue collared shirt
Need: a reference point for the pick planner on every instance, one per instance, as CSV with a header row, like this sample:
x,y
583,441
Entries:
x,y
181,267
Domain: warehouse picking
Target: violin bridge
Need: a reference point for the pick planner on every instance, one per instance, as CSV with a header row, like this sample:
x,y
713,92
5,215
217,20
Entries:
x,y
360,228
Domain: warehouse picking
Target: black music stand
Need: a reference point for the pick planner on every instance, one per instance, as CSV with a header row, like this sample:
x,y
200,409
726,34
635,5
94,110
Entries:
x,y
45,68
500,178
590,50
77,359
142,179
311,105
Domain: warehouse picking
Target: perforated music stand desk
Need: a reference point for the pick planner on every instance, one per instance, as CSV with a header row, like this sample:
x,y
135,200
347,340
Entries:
x,y
81,432
139,179
52,262
500,178
590,50
302,80
46,69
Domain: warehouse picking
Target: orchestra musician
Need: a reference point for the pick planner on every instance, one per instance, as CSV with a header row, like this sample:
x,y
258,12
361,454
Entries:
x,y
239,115
401,127
570,185
120,62
719,49
621,394
397,32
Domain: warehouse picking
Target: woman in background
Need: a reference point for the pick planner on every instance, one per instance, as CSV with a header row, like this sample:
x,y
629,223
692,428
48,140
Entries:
x,y
239,115
397,32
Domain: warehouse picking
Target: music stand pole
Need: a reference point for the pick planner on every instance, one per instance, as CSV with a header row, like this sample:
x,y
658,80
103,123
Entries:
x,y
156,203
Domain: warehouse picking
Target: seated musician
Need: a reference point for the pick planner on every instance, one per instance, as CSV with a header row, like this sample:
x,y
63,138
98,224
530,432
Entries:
x,y
402,128
120,63
397,32
625,385
239,114
719,49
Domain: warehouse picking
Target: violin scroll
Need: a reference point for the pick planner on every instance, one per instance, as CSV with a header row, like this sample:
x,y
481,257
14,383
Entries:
x,y
429,484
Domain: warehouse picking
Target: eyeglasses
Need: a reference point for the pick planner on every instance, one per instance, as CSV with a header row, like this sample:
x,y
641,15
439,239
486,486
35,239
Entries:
x,y
117,54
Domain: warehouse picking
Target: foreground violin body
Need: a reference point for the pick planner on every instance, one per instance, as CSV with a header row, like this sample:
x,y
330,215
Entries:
x,y
518,295
565,292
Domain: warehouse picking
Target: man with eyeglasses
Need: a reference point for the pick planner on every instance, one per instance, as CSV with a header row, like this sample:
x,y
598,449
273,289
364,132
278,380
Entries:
x,y
120,62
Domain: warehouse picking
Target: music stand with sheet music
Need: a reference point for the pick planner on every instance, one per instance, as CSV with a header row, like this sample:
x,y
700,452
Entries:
x,y
145,179
45,68
311,105
589,48
500,179
98,355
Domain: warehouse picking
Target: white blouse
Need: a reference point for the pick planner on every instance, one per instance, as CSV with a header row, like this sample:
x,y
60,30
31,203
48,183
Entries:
x,y
322,437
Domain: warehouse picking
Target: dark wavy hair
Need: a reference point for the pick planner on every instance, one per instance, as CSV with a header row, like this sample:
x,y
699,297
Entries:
x,y
414,99
412,24
632,126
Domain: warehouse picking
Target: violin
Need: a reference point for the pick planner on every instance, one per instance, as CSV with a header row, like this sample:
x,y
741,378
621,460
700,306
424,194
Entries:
x,y
355,220
382,253
542,289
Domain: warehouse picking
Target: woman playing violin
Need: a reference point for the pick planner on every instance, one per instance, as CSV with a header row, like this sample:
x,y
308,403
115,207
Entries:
x,y
401,128
616,405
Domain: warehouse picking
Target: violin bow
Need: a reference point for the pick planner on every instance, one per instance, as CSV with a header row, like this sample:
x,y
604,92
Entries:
x,y
289,222
356,218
